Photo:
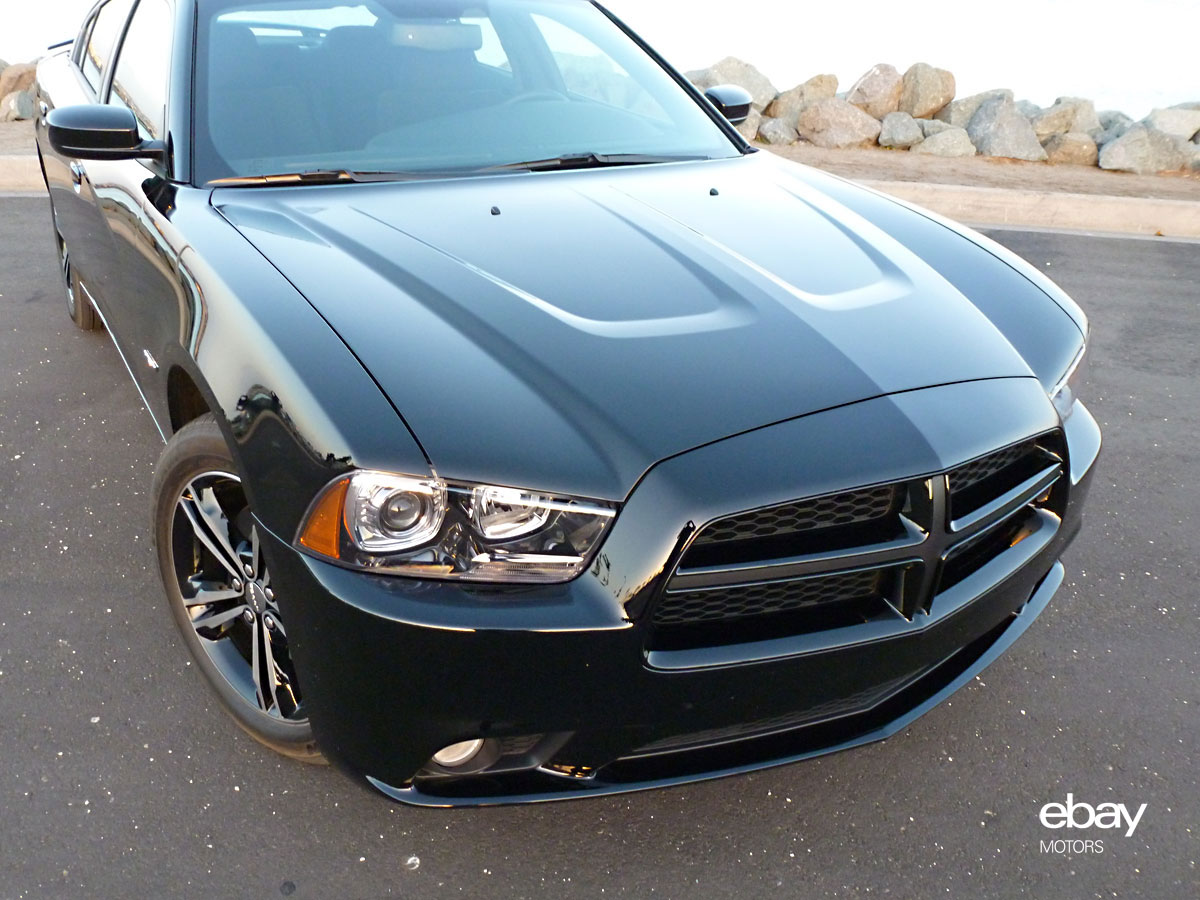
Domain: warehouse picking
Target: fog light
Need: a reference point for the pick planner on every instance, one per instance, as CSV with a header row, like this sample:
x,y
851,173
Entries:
x,y
458,754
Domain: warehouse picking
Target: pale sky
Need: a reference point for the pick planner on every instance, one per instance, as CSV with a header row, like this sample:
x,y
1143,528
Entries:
x,y
1129,56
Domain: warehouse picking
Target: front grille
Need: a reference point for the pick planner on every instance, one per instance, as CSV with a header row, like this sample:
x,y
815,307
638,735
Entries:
x,y
720,604
980,481
971,556
971,474
881,551
831,511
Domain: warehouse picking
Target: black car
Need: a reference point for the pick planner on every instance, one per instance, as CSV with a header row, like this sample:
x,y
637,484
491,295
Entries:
x,y
529,434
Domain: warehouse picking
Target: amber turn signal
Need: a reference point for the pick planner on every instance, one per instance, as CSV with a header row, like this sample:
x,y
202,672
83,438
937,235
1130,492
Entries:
x,y
323,527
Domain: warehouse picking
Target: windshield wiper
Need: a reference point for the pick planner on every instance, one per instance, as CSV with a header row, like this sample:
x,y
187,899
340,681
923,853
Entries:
x,y
317,176
589,161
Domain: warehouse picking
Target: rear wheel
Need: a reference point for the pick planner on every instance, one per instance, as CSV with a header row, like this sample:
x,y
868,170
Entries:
x,y
220,592
79,308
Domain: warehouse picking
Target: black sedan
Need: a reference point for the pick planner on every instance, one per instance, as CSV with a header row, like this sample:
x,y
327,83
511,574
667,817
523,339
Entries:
x,y
528,434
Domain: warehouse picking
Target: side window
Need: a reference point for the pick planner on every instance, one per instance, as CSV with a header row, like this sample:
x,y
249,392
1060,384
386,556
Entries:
x,y
100,40
143,67
79,51
590,72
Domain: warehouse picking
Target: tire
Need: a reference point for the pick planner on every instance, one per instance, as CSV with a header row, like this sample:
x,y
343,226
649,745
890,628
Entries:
x,y
219,589
79,308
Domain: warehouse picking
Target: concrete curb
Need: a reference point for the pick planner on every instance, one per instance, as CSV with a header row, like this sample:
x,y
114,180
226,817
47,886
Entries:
x,y
973,205
1051,209
21,173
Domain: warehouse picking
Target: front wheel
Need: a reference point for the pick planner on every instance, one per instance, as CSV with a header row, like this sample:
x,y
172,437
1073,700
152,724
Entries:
x,y
220,592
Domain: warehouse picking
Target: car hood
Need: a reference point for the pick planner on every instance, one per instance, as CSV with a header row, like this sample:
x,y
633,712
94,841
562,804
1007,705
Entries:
x,y
565,331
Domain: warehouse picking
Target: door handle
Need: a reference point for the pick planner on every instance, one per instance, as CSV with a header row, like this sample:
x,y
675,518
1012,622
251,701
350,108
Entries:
x,y
77,174
44,110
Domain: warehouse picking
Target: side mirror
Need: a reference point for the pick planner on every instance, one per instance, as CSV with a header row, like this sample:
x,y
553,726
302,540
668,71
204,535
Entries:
x,y
91,131
731,101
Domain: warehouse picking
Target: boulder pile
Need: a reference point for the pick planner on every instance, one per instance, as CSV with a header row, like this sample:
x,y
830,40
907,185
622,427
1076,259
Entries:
x,y
918,112
16,91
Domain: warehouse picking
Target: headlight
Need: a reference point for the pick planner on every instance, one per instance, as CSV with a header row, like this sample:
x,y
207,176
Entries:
x,y
425,527
1064,394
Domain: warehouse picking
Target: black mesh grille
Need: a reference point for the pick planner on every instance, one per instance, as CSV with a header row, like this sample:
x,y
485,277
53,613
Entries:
x,y
831,511
875,531
971,474
722,604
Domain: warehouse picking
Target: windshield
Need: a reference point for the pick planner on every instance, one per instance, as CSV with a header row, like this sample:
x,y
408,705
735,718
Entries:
x,y
431,86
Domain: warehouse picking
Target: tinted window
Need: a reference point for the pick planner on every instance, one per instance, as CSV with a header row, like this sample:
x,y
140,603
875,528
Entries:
x,y
143,67
429,86
100,42
588,71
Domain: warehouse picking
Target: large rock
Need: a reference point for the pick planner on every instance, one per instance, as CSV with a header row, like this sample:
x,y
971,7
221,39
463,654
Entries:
x,y
1145,151
877,93
930,127
19,77
1073,148
925,90
777,131
16,106
951,142
1028,109
790,104
836,123
732,70
749,128
1066,115
959,112
1114,124
997,129
1183,123
1114,118
900,130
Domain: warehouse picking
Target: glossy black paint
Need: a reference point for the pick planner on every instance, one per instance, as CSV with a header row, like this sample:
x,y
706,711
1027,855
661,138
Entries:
x,y
768,751
627,334
769,302
98,132
731,101
458,662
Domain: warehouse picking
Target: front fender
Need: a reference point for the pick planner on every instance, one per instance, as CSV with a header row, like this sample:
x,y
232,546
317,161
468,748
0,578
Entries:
x,y
295,404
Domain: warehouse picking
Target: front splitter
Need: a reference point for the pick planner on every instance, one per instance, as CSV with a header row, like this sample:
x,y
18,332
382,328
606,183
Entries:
x,y
543,785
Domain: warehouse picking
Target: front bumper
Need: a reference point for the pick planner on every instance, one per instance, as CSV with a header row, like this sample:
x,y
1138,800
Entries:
x,y
565,681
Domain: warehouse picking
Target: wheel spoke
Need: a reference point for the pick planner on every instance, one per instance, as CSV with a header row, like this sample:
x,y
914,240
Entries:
x,y
216,619
256,555
206,593
256,664
286,700
235,587
210,527
272,672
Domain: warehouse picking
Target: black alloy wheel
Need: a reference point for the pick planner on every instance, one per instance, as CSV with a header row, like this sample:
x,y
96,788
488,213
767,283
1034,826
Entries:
x,y
220,592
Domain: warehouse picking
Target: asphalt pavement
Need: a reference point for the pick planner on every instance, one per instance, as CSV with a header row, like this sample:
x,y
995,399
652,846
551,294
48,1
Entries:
x,y
120,777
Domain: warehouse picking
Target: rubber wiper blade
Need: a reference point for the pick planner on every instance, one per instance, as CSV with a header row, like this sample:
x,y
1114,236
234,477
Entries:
x,y
590,161
316,176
